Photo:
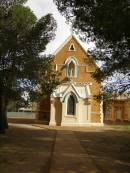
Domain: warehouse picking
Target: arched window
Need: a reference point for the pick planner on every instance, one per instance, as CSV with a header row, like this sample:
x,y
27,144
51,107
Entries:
x,y
71,105
72,47
71,69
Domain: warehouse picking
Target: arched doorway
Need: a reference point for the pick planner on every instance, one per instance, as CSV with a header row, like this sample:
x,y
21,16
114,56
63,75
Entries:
x,y
71,105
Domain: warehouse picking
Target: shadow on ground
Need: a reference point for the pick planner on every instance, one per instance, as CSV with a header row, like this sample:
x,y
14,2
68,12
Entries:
x,y
109,150
26,150
29,149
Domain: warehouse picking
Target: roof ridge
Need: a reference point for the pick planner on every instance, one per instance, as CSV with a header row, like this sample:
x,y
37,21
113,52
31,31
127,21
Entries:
x,y
66,41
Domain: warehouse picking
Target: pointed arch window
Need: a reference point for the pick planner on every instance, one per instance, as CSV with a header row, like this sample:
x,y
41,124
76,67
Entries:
x,y
71,69
71,105
72,47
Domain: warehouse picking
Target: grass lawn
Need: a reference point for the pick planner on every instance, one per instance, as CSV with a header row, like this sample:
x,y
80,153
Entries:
x,y
122,127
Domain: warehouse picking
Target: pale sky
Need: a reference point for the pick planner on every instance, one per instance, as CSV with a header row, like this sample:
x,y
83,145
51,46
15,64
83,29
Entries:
x,y
43,7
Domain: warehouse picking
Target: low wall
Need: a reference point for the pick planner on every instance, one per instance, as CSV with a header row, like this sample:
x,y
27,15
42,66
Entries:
x,y
26,115
21,117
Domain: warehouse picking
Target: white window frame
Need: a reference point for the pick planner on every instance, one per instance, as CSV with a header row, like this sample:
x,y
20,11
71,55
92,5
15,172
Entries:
x,y
72,44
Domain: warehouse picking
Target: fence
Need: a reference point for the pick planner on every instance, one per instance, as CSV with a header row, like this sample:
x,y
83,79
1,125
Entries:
x,y
26,115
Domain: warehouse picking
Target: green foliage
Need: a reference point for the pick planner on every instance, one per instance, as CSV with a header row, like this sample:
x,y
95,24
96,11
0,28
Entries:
x,y
22,39
49,78
107,24
106,98
8,3
47,81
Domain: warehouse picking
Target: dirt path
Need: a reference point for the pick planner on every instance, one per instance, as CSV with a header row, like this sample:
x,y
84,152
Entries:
x,y
42,149
69,156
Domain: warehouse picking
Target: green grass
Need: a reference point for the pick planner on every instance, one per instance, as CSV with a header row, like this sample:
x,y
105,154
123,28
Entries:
x,y
122,127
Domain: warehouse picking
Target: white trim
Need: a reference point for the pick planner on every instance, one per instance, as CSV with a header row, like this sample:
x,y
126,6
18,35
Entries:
x,y
66,41
101,107
62,45
72,44
88,90
96,124
52,123
82,124
77,83
89,112
75,91
71,86
71,58
70,116
52,113
78,41
101,112
66,104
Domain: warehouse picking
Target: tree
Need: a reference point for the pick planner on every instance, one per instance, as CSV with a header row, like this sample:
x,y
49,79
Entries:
x,y
47,81
107,24
49,78
22,38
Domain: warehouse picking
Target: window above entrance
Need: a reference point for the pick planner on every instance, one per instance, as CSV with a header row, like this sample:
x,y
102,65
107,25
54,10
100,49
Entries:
x,y
71,67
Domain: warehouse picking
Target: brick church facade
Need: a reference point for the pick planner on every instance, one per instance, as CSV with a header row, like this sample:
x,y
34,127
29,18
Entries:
x,y
73,102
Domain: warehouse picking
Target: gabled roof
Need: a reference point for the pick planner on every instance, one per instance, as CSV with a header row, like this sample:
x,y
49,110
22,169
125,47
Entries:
x,y
82,91
74,89
66,41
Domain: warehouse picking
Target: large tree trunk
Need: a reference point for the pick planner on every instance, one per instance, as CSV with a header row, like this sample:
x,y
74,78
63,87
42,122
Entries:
x,y
3,114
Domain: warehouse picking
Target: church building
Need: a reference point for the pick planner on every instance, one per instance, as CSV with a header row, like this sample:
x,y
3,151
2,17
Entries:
x,y
74,102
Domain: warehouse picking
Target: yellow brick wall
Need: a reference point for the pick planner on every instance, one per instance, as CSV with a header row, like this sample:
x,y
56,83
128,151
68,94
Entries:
x,y
85,68
118,105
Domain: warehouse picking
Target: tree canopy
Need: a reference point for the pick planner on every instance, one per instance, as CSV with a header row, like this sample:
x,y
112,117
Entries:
x,y
22,39
107,24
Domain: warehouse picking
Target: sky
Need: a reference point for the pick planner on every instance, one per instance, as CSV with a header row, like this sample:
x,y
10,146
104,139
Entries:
x,y
43,7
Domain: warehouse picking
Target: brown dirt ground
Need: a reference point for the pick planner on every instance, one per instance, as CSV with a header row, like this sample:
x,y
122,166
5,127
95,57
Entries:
x,y
25,149
28,149
109,150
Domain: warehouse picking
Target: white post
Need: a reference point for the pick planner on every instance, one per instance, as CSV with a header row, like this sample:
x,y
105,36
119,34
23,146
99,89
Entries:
x,y
79,112
63,113
101,112
52,115
89,110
